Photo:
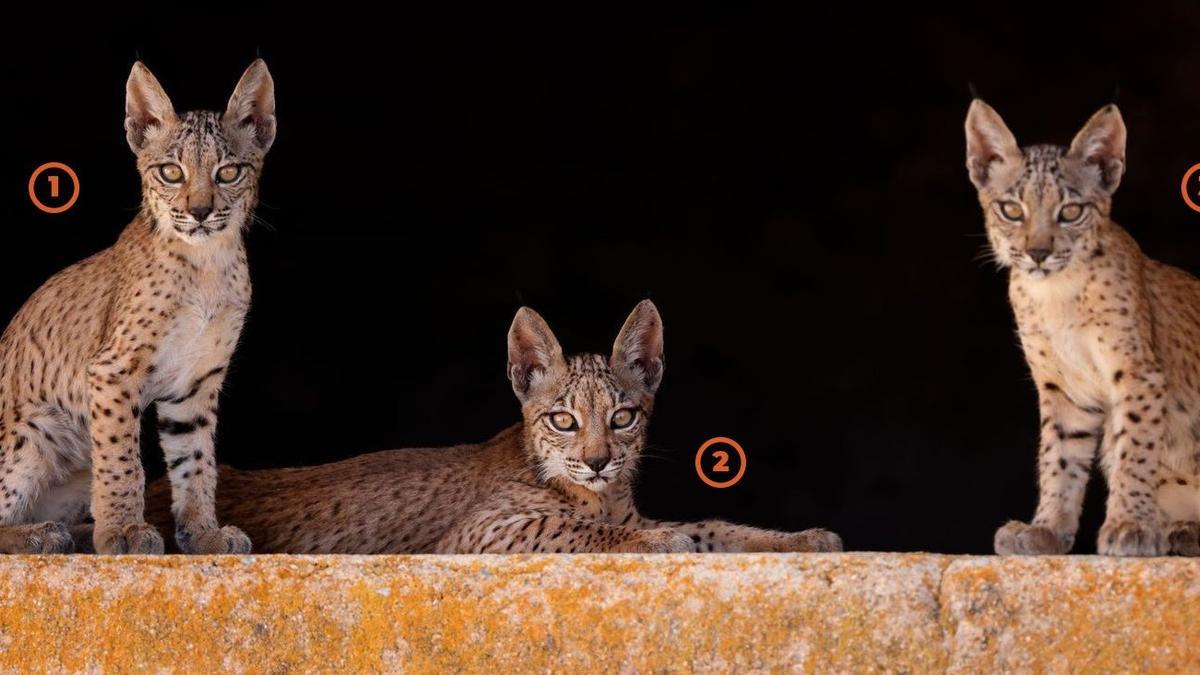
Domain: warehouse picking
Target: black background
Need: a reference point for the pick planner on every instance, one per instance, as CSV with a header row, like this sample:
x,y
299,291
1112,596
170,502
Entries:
x,y
787,185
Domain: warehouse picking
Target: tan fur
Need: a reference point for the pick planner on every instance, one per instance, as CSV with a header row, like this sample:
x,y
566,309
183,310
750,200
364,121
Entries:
x,y
532,488
1112,338
153,319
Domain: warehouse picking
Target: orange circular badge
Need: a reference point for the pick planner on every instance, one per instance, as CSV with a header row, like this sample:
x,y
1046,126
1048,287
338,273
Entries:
x,y
55,188
1183,188
721,466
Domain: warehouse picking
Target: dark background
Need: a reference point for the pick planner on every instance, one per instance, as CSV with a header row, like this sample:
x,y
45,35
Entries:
x,y
787,185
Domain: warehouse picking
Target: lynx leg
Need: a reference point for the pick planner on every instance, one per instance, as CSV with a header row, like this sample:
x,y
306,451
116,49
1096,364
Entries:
x,y
187,428
118,479
535,532
718,536
1070,437
1133,522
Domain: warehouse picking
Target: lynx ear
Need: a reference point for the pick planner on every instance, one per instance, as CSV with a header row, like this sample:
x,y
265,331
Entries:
x,y
988,141
251,109
534,356
1100,145
637,356
147,109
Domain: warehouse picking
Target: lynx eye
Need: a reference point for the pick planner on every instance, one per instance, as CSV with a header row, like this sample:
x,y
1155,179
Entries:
x,y
1070,213
229,173
171,173
623,418
563,421
1011,211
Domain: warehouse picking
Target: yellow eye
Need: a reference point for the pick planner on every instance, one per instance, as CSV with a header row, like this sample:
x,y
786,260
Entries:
x,y
229,173
171,173
1012,210
563,421
1070,213
623,418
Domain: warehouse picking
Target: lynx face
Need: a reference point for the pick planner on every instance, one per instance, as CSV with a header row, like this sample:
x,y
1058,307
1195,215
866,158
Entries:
x,y
200,170
1042,203
586,416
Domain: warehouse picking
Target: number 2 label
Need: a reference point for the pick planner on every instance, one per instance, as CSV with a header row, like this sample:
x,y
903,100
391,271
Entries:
x,y
722,465
720,469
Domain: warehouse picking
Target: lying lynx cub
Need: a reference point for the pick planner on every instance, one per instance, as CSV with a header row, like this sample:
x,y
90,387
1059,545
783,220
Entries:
x,y
559,482
152,320
1111,336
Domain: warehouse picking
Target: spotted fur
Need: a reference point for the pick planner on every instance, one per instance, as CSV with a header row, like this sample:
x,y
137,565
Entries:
x,y
532,488
1111,336
152,320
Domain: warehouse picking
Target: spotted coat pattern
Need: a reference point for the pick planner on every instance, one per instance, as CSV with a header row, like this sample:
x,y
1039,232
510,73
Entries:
x,y
1111,336
154,319
536,487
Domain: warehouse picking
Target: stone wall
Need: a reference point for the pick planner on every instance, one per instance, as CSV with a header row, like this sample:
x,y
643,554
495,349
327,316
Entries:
x,y
856,612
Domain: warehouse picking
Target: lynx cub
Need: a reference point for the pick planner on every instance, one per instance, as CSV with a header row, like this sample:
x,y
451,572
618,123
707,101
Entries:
x,y
1112,339
153,319
559,482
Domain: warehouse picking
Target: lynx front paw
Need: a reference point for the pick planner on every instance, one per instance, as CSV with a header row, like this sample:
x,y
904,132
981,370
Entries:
x,y
815,540
1017,538
38,538
661,540
1131,538
134,538
213,541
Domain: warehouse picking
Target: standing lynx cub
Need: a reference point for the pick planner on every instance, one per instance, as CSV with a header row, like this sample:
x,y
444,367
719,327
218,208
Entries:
x,y
1112,339
559,482
153,319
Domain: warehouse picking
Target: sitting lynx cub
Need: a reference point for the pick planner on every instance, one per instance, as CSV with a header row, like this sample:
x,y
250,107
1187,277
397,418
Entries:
x,y
1111,336
152,320
559,482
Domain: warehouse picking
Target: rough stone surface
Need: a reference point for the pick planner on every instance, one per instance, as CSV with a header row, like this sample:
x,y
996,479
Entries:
x,y
855,612
1077,614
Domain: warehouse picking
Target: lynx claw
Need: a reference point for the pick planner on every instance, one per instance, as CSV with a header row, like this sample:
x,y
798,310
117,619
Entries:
x,y
1131,538
213,541
134,538
660,540
816,540
1017,538
1183,538
40,538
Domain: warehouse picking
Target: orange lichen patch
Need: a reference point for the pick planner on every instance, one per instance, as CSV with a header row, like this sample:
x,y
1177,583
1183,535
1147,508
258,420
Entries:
x,y
475,614
846,612
1070,613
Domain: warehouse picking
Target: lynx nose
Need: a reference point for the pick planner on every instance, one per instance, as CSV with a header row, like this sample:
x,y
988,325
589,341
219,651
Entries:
x,y
597,463
1039,255
200,212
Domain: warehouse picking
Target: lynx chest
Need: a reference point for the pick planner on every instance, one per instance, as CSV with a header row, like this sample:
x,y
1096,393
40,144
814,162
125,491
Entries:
x,y
1060,338
203,326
